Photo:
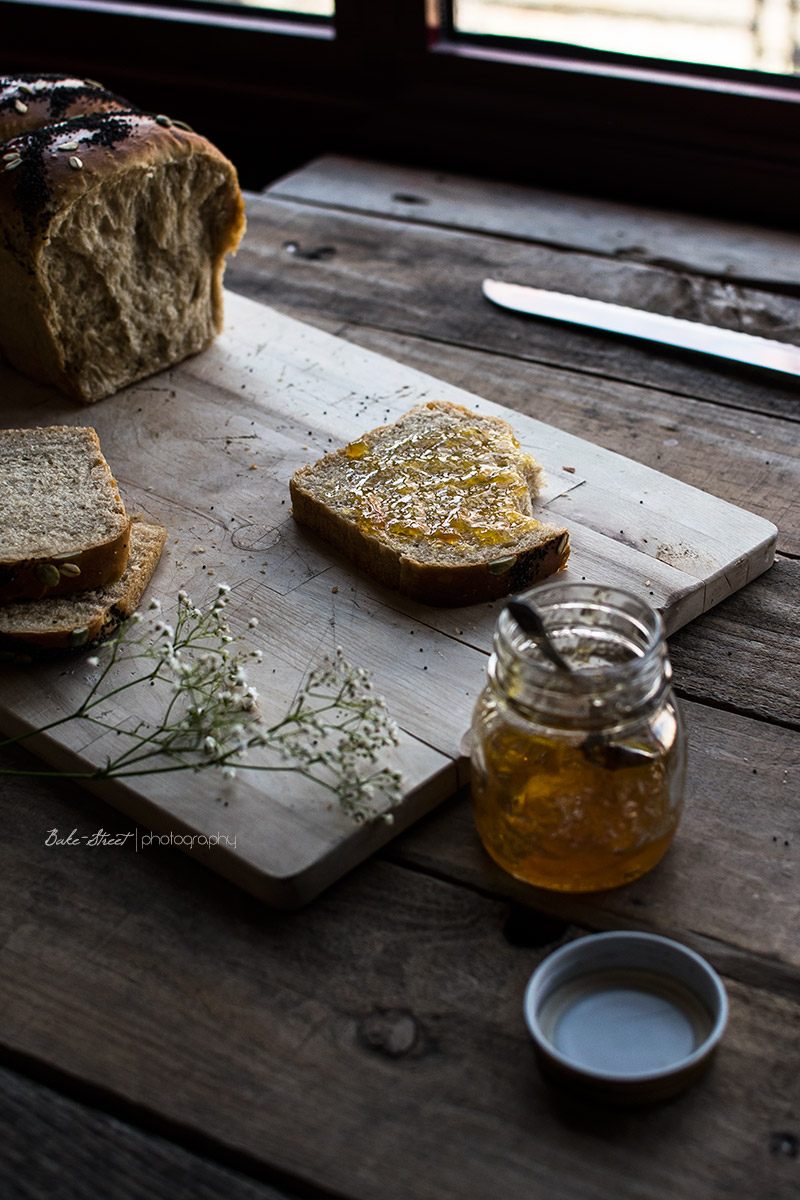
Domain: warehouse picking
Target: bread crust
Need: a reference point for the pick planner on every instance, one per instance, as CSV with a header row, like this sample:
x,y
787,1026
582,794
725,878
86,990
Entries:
x,y
445,586
542,552
44,174
72,568
97,613
31,101
92,567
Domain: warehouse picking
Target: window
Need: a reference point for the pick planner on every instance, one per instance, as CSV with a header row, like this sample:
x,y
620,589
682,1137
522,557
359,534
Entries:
x,y
275,84
758,35
288,8
308,8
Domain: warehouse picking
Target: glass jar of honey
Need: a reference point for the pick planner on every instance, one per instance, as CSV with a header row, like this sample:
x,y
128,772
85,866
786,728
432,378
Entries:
x,y
578,768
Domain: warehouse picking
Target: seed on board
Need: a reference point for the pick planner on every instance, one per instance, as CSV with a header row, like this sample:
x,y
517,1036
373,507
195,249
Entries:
x,y
76,163
48,574
69,146
71,570
20,106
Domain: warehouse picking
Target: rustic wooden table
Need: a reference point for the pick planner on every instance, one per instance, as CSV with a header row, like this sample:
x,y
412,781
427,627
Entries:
x,y
165,1035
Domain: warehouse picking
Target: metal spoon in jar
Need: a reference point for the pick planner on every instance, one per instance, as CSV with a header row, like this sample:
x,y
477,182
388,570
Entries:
x,y
595,748
530,621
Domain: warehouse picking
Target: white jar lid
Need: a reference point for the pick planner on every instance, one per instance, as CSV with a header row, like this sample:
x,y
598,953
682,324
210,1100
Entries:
x,y
627,1016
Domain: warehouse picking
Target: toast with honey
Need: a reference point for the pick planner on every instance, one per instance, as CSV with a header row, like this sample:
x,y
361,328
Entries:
x,y
438,505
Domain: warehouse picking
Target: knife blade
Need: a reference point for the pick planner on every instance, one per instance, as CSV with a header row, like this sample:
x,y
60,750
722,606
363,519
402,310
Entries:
x,y
745,348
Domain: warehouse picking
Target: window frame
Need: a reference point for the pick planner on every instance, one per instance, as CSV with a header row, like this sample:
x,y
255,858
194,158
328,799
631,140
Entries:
x,y
274,92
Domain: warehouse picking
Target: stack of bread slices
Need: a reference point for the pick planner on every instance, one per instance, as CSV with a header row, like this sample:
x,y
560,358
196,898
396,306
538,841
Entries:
x,y
73,564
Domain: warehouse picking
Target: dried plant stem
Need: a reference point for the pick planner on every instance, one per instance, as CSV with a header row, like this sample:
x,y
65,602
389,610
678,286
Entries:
x,y
333,733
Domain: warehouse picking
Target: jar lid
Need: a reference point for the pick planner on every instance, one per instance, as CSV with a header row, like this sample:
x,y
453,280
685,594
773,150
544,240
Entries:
x,y
631,1017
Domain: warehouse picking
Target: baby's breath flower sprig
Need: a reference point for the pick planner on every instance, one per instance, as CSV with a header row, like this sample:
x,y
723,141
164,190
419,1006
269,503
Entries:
x,y
333,732
335,725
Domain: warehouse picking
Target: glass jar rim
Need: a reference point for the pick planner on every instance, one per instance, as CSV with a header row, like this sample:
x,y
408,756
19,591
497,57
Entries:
x,y
572,596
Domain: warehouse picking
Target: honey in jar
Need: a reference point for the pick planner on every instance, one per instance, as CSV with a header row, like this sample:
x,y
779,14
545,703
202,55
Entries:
x,y
578,770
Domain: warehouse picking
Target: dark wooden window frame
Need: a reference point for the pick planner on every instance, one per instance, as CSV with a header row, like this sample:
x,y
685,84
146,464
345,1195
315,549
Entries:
x,y
274,93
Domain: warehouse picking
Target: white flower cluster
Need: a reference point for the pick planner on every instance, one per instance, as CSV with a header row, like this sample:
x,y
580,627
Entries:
x,y
334,732
336,726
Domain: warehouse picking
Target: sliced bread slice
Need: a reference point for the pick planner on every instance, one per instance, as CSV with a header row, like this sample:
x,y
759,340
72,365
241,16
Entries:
x,y
61,622
437,505
63,525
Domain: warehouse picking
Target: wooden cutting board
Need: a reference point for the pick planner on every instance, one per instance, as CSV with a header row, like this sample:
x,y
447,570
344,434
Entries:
x,y
207,449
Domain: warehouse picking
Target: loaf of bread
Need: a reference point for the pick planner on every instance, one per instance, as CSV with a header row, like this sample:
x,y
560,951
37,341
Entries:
x,y
30,101
64,527
64,622
437,505
114,229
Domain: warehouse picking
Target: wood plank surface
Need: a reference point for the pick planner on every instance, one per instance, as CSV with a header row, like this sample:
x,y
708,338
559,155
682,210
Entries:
x,y
745,655
678,241
277,393
747,458
164,1032
376,1039
750,459
729,883
406,277
60,1149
